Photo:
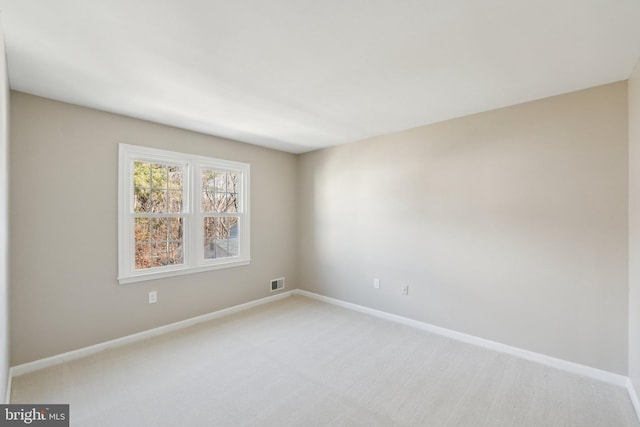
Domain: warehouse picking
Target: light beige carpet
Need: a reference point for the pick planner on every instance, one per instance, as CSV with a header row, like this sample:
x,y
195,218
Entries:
x,y
300,362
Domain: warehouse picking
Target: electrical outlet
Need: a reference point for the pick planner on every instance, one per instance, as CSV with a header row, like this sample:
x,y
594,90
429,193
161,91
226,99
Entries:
x,y
153,297
376,283
405,289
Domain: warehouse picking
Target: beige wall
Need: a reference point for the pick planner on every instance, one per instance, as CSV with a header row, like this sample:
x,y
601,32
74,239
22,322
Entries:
x,y
634,227
4,220
509,225
63,217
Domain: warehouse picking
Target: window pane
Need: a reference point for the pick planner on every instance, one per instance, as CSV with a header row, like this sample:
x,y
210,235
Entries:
x,y
232,182
221,182
175,201
141,230
175,177
220,202
141,174
158,201
159,229
175,253
159,175
141,200
231,203
208,179
175,229
143,256
159,255
220,237
207,201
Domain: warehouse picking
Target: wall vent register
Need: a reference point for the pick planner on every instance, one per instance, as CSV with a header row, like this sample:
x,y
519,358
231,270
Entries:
x,y
277,284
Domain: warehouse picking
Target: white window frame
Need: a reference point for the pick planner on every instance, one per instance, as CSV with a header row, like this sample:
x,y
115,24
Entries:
x,y
193,217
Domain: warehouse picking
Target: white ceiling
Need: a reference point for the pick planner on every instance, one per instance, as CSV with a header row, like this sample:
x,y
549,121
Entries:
x,y
298,75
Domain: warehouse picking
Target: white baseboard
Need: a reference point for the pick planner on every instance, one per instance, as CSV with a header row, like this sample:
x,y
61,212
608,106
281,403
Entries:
x,y
18,370
587,371
634,397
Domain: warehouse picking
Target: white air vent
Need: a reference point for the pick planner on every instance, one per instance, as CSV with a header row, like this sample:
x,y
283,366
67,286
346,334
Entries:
x,y
277,284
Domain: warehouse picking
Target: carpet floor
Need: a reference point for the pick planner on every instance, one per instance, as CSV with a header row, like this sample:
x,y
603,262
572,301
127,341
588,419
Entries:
x,y
301,362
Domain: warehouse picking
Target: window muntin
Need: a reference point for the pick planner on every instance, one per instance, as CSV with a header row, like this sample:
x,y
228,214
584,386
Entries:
x,y
180,213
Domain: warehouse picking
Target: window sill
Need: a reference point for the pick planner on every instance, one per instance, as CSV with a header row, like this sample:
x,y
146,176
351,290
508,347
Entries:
x,y
179,271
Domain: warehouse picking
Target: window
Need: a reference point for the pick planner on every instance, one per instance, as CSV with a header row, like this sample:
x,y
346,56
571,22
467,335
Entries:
x,y
180,213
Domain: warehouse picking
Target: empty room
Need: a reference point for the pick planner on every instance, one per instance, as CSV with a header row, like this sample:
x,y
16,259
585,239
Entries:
x,y
335,213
